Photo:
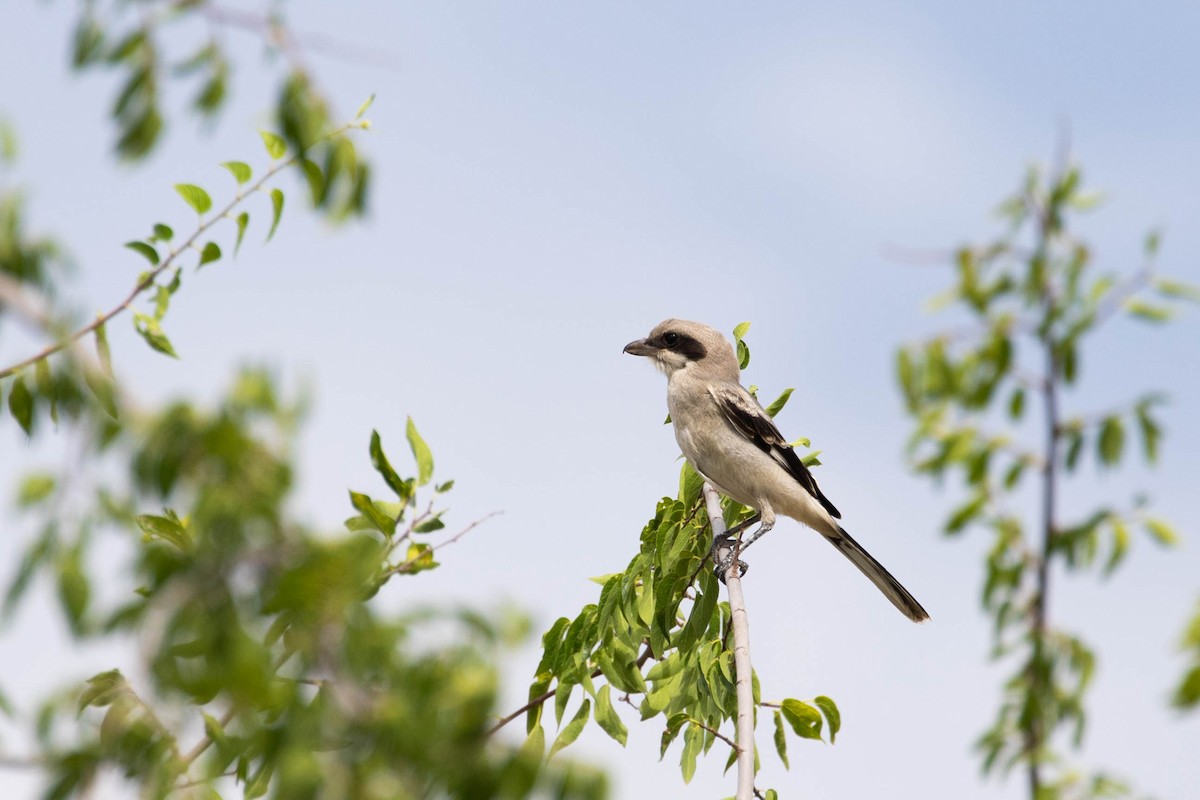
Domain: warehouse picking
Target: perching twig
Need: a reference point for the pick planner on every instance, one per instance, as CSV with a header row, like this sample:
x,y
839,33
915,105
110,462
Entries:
x,y
740,623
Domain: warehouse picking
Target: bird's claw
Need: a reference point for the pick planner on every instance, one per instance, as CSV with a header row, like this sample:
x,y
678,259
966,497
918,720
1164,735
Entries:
x,y
722,569
723,564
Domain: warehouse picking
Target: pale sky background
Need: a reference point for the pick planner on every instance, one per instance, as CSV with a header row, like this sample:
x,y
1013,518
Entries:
x,y
553,180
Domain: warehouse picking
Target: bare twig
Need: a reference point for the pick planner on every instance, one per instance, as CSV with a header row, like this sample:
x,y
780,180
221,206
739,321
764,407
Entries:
x,y
190,757
405,566
277,34
715,733
740,622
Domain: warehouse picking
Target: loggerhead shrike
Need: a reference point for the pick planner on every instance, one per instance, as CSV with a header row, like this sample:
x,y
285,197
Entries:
x,y
728,438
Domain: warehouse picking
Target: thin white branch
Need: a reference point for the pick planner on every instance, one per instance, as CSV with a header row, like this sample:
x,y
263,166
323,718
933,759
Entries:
x,y
741,652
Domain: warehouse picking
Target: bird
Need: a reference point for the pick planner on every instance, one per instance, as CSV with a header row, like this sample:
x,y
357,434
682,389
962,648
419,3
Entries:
x,y
733,444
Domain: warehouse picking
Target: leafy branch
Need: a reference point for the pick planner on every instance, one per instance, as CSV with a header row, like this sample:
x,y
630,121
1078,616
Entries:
x,y
1033,286
199,200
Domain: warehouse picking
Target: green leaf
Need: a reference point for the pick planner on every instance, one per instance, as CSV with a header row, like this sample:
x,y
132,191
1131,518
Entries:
x,y
365,105
534,746
1146,312
1074,448
102,350
20,403
240,170
1013,474
779,403
1120,538
781,740
419,557
832,715
315,178
1151,433
162,233
1153,240
74,589
693,740
381,464
429,525
963,515
147,251
675,724
148,328
276,147
804,719
99,690
1177,289
607,718
1086,201
168,529
243,219
1111,441
276,211
35,488
420,452
209,253
383,523
573,728
1016,403
743,351
195,197
1162,532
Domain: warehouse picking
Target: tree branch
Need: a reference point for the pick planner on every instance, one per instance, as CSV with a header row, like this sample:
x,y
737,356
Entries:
x,y
740,622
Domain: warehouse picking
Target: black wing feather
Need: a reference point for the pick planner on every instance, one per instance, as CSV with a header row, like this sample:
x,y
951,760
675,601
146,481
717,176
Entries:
x,y
752,422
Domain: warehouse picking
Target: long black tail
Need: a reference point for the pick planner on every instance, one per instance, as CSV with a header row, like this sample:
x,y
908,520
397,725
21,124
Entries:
x,y
879,576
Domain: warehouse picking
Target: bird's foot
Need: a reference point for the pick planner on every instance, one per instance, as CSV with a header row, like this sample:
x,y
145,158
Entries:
x,y
722,556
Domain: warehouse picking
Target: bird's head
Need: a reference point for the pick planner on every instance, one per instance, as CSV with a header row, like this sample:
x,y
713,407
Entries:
x,y
677,344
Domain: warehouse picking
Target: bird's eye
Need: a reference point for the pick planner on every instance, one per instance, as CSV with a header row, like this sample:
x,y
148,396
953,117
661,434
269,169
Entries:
x,y
671,338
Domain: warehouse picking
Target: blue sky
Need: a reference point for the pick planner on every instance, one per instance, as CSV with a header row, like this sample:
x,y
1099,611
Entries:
x,y
553,180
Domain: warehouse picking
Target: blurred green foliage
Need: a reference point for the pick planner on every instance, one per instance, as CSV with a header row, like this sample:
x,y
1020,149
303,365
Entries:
x,y
1187,693
262,642
1030,299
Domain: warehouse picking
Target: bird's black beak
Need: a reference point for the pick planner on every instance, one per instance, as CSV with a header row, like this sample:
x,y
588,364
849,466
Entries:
x,y
640,347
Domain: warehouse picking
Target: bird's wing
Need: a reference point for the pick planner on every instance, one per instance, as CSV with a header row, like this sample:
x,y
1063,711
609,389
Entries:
x,y
748,418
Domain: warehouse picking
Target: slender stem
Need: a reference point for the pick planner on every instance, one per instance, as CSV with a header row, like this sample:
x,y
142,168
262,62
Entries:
x,y
1035,734
544,696
740,623
715,733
